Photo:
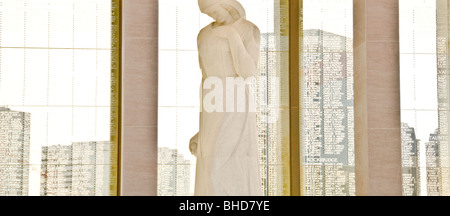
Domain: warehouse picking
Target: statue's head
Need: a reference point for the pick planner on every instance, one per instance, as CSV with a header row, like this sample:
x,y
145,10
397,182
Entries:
x,y
220,10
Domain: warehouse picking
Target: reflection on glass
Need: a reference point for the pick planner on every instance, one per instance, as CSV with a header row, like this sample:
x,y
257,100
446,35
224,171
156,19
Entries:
x,y
326,95
179,81
424,52
58,97
440,136
419,99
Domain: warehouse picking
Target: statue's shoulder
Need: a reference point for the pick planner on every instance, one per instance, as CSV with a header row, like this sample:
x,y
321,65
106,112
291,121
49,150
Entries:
x,y
248,29
247,26
243,23
204,29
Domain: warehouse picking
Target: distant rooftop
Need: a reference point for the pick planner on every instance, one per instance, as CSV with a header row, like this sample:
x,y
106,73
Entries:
x,y
2,108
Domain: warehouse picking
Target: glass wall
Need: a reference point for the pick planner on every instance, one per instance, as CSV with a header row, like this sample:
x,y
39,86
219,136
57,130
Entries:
x,y
326,97
59,97
179,104
424,36
443,93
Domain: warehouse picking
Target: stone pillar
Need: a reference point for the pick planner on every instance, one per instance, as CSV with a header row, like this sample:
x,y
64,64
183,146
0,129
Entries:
x,y
443,58
140,97
377,98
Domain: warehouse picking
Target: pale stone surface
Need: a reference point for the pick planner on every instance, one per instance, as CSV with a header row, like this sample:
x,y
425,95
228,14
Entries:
x,y
139,81
382,20
140,19
140,97
359,25
377,98
385,177
139,164
226,145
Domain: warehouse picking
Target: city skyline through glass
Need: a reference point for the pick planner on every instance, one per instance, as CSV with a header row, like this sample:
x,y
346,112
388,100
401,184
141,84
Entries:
x,y
56,76
59,107
424,82
326,95
326,25
419,104
179,83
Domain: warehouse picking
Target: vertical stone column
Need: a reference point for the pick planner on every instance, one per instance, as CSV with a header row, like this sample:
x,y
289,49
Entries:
x,y
443,59
377,98
140,97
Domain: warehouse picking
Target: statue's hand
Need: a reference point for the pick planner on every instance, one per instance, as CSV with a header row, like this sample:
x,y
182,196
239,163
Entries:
x,y
193,144
232,35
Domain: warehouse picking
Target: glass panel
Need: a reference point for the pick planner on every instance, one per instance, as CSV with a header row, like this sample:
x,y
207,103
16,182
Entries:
x,y
58,97
420,99
179,83
326,95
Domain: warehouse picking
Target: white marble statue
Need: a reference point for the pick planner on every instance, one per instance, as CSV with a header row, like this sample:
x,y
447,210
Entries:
x,y
226,144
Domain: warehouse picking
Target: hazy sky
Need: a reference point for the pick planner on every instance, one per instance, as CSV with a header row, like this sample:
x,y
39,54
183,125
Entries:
x,y
66,90
418,71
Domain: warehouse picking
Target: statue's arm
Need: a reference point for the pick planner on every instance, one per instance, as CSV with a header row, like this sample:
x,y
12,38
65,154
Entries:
x,y
193,145
245,52
253,44
193,142
200,63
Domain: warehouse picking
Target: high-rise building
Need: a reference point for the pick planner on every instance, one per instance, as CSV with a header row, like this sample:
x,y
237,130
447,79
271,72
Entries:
x,y
433,165
91,167
14,152
410,161
327,137
327,92
270,99
80,169
174,173
56,170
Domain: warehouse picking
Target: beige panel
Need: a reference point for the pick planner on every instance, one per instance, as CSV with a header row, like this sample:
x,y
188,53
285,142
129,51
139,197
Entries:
x,y
359,24
361,135
140,101
139,82
139,170
382,20
384,174
382,56
383,85
377,98
139,20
